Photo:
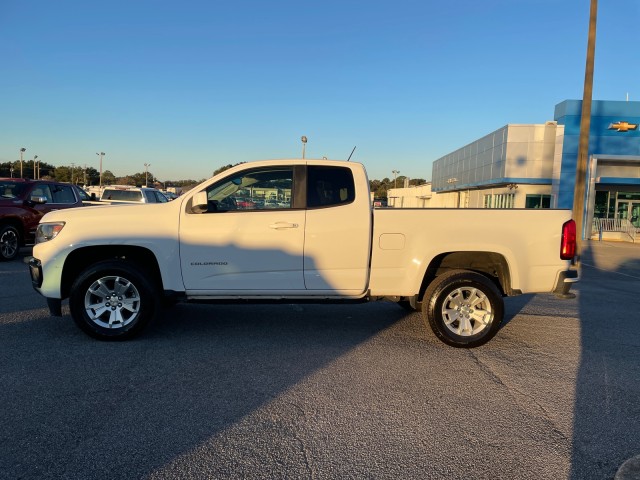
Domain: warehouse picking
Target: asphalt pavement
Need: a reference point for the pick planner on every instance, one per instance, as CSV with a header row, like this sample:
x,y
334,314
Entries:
x,y
327,391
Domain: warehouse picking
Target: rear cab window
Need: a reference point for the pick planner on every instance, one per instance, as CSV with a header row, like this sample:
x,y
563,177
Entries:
x,y
329,186
122,195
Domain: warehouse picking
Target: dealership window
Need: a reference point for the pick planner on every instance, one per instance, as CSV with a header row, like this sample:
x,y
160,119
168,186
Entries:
x,y
504,200
537,201
500,200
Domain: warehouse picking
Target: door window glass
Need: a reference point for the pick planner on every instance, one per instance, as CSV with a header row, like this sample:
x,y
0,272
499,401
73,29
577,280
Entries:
x,y
150,196
160,197
266,189
42,191
63,194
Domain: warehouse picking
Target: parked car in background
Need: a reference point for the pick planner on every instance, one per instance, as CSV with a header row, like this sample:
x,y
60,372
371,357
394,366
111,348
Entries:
x,y
22,205
170,195
245,203
127,194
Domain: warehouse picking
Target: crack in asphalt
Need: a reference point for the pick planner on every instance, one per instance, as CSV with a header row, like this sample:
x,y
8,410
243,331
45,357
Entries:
x,y
517,395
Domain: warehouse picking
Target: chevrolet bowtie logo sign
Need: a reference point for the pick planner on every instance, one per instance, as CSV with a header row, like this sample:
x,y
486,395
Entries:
x,y
623,126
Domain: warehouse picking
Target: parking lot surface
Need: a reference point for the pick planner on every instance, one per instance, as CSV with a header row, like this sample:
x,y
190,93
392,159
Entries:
x,y
327,391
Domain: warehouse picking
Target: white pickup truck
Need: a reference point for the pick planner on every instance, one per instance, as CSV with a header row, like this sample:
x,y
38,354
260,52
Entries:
x,y
298,231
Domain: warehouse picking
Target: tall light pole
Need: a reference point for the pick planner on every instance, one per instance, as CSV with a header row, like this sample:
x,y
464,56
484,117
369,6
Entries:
x,y
395,177
304,144
101,154
585,125
22,150
35,174
146,174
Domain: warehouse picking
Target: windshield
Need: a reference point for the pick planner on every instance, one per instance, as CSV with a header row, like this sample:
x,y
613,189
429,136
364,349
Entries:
x,y
11,189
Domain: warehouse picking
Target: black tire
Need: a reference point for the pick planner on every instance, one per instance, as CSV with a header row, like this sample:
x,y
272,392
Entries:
x,y
9,242
463,308
116,293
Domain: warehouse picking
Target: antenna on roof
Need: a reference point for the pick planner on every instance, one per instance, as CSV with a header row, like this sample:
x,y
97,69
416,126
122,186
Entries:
x,y
354,149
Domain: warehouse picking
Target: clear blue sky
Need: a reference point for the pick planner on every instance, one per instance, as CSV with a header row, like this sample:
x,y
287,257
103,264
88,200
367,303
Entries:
x,y
189,86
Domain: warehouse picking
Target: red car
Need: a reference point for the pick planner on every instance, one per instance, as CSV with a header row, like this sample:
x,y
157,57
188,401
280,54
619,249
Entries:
x,y
245,204
23,203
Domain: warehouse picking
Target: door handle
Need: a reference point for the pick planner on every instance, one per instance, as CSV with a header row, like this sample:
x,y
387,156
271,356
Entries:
x,y
281,225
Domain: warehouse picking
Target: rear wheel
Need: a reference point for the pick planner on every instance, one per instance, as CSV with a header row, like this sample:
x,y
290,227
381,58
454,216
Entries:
x,y
9,242
113,300
463,308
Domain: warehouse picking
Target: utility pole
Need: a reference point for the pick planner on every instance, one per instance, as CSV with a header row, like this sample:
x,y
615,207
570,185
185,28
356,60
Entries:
x,y
101,154
22,150
35,173
585,125
146,174
395,177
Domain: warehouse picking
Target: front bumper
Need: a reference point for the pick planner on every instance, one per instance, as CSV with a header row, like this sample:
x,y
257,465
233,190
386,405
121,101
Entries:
x,y
35,269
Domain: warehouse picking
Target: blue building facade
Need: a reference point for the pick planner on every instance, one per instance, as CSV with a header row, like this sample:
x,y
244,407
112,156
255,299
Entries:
x,y
614,138
534,165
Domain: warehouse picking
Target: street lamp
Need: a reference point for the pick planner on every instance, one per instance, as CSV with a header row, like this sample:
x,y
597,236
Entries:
x,y
304,144
101,154
11,170
395,176
35,175
146,174
22,150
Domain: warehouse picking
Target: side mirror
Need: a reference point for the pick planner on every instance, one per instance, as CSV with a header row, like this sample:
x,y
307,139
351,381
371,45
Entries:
x,y
38,199
199,203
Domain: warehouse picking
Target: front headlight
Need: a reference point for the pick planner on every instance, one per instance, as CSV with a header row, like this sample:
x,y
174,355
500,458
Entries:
x,y
48,231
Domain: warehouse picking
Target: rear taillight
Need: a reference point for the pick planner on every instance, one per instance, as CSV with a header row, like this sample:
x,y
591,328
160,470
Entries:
x,y
568,245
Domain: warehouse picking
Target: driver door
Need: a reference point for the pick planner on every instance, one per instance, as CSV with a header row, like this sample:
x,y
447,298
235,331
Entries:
x,y
250,239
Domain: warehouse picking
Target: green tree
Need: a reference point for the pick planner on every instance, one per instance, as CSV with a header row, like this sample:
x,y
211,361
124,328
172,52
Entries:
x,y
128,180
225,167
46,171
62,174
92,176
5,169
108,178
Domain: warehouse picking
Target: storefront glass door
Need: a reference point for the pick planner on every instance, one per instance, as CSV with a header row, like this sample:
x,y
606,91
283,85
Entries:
x,y
629,210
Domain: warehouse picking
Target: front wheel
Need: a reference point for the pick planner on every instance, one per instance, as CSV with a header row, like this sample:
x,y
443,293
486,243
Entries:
x,y
113,300
463,308
9,242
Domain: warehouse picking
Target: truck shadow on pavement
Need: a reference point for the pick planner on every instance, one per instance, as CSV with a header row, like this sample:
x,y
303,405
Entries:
x,y
129,409
606,425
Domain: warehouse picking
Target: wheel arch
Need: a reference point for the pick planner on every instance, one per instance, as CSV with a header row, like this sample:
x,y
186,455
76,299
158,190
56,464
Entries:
x,y
18,225
81,258
492,265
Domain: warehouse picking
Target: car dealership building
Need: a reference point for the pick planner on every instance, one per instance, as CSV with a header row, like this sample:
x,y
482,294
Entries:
x,y
534,166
